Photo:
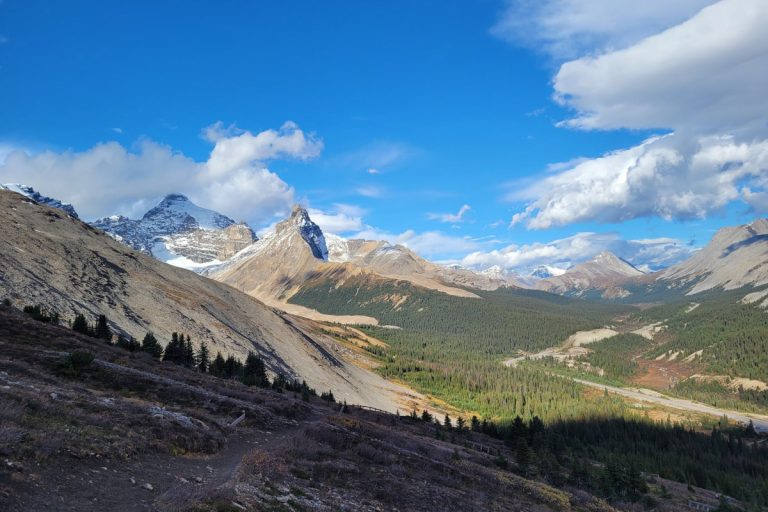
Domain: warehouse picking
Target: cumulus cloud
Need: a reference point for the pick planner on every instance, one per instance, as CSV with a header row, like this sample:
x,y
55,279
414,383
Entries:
x,y
109,178
343,218
670,177
649,254
452,218
702,80
570,28
235,148
706,74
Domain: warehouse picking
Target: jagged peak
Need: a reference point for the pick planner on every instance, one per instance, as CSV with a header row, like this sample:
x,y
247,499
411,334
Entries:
x,y
307,229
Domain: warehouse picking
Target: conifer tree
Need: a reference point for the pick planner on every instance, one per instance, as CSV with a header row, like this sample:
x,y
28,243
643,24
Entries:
x,y
254,373
217,368
203,358
189,353
150,345
80,324
102,330
447,422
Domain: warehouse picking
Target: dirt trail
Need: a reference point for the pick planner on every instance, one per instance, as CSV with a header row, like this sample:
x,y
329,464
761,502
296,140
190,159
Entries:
x,y
98,485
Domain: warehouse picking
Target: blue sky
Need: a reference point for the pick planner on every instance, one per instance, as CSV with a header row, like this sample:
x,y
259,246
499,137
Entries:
x,y
399,114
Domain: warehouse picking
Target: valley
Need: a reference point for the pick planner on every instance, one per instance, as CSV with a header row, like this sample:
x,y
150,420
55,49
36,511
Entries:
x,y
423,343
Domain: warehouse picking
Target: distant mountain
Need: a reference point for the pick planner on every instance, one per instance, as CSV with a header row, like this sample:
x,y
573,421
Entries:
x,y
39,198
545,271
735,257
179,232
65,265
274,268
605,273
399,262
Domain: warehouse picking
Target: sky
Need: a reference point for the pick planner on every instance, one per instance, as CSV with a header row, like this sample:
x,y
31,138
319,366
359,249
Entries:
x,y
513,133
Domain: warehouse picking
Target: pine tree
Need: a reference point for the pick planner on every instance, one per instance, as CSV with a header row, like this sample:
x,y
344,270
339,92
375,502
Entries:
x,y
426,416
522,454
80,324
150,345
218,366
203,358
460,424
475,424
189,353
102,331
447,422
254,373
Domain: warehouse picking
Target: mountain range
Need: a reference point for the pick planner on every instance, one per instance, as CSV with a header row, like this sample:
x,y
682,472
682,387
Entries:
x,y
181,233
54,260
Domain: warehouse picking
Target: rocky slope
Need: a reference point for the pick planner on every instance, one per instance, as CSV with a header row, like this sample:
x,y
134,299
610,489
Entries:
x,y
735,257
399,262
37,197
605,273
179,232
130,434
49,258
274,268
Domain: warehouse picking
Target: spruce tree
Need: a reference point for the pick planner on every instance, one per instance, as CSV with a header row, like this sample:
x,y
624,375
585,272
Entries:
x,y
151,346
80,324
189,353
447,422
217,367
102,331
254,373
203,358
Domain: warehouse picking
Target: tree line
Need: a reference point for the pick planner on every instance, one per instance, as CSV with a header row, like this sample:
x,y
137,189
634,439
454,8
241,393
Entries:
x,y
181,351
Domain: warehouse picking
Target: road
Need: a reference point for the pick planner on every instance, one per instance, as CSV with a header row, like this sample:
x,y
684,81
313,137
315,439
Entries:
x,y
647,395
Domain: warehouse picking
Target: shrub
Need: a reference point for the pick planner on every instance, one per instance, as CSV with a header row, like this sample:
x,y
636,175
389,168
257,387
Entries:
x,y
76,362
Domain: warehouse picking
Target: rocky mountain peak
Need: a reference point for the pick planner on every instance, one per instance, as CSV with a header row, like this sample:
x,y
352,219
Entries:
x,y
607,261
181,233
309,231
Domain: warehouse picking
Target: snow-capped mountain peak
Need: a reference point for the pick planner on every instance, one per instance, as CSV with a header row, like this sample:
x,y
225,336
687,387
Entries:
x,y
177,213
37,197
180,232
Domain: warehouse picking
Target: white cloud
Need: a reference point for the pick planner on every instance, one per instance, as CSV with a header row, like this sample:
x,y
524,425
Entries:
x,y
235,148
704,79
373,170
453,218
705,75
342,219
667,177
569,28
650,253
108,178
